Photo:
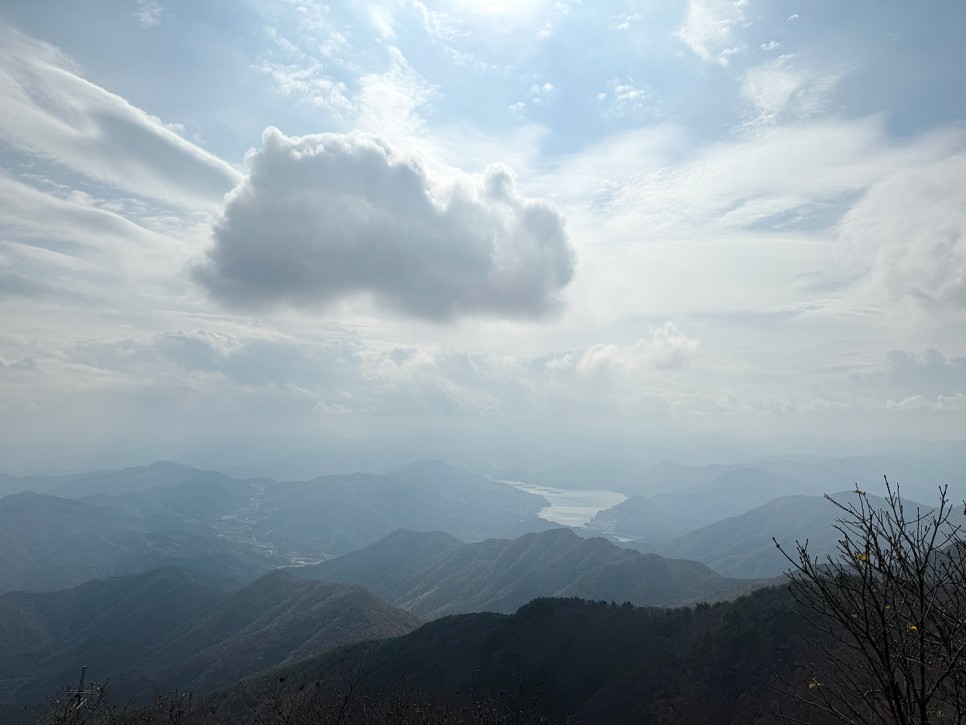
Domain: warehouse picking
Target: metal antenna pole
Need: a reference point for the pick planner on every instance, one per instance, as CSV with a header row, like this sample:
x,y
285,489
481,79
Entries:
x,y
80,687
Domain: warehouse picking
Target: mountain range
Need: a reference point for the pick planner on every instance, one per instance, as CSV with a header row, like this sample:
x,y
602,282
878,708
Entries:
x,y
744,545
817,474
50,542
176,629
178,516
570,660
434,574
369,557
726,495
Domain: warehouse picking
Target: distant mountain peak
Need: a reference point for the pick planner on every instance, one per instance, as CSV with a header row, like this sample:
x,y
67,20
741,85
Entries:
x,y
410,535
412,571
168,466
562,533
428,464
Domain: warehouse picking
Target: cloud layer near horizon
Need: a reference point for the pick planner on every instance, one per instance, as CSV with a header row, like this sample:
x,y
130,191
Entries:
x,y
323,217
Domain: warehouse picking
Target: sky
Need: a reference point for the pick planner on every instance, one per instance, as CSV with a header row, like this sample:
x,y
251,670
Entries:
x,y
235,231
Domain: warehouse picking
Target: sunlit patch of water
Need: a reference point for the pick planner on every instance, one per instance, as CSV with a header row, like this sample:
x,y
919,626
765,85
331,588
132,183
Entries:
x,y
570,507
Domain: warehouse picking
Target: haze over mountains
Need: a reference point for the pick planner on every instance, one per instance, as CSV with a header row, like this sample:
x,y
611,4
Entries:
x,y
536,321
434,574
179,516
168,576
51,542
728,494
62,530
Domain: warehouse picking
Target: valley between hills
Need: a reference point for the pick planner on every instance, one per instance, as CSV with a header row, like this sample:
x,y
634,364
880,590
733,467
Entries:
x,y
428,581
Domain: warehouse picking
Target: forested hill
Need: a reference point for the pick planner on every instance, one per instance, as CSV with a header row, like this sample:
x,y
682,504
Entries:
x,y
433,574
174,629
597,662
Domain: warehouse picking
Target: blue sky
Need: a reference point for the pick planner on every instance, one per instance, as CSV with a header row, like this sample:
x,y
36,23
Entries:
x,y
236,229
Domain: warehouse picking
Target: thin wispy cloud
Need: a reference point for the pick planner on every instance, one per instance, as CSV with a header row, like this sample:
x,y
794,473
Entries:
x,y
149,13
53,112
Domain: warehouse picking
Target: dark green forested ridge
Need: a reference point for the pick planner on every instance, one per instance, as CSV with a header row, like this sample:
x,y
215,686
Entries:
x,y
171,628
597,662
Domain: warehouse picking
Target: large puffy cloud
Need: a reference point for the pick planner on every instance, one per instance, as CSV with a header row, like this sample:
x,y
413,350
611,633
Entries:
x,y
324,217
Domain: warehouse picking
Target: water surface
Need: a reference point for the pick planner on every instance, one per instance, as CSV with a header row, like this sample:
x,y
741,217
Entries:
x,y
570,507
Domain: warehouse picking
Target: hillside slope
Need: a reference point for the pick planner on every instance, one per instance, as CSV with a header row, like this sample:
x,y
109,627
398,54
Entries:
x,y
333,515
50,542
45,638
597,662
730,494
432,574
277,618
173,629
170,515
743,546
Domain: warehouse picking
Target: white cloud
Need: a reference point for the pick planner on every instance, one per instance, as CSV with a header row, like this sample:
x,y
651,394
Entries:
x,y
431,379
316,63
317,34
730,226
667,349
331,409
76,245
52,112
327,217
309,57
310,84
930,374
439,25
656,185
450,20
390,101
382,20
149,13
622,97
783,89
667,226
907,235
709,29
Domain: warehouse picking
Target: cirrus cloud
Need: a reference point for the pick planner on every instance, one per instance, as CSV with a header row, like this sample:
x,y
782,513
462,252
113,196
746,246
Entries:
x,y
908,234
51,112
327,217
